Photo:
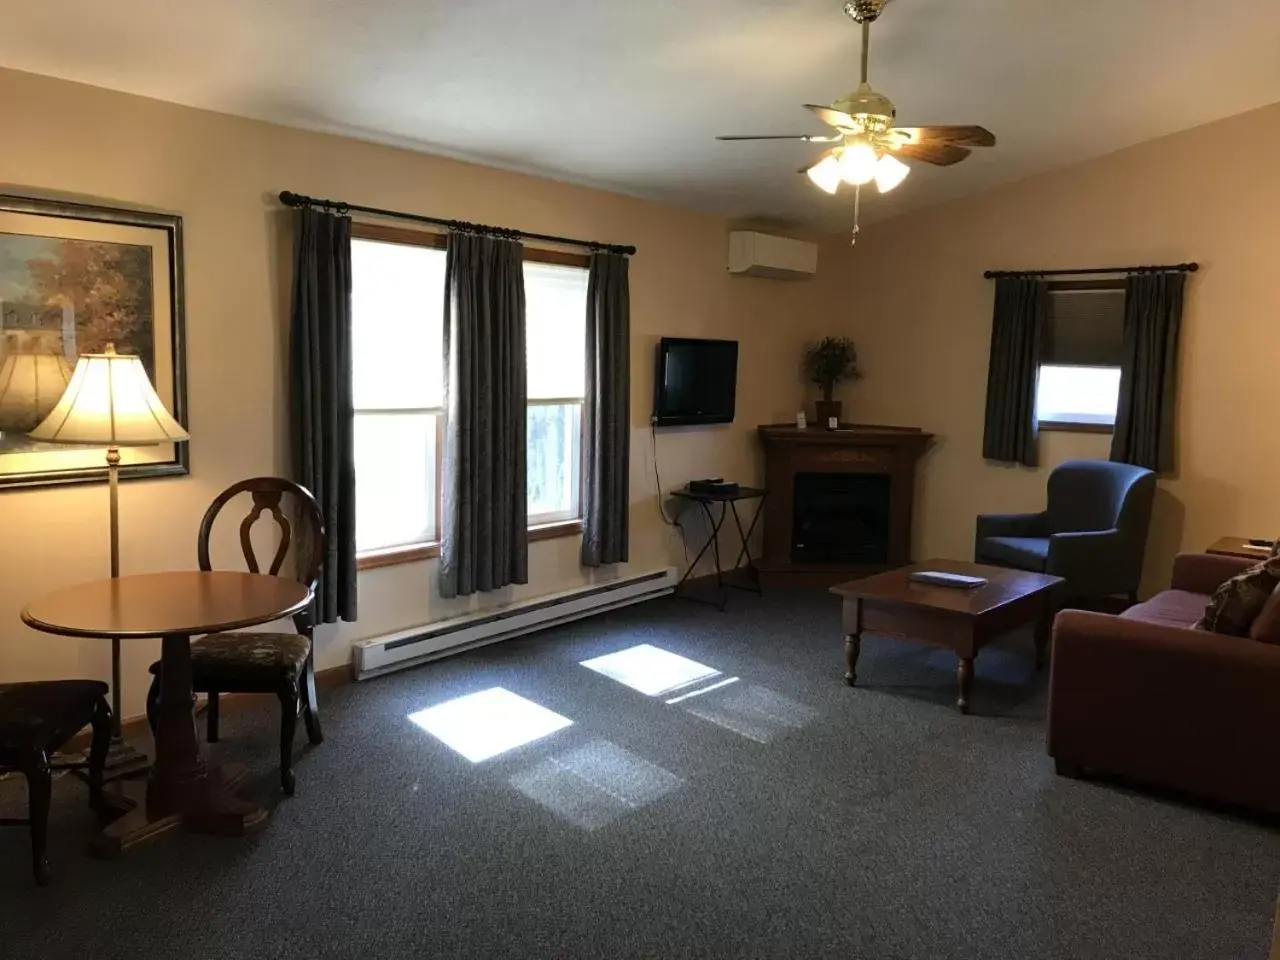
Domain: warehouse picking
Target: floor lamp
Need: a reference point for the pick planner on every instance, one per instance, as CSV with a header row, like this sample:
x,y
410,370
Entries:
x,y
110,402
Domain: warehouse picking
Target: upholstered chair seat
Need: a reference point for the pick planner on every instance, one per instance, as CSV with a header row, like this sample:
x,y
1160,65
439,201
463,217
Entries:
x,y
36,720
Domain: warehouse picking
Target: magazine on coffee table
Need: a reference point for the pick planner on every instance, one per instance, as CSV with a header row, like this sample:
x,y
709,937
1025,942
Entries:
x,y
939,578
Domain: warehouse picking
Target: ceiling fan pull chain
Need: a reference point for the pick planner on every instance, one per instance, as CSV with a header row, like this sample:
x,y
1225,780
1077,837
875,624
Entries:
x,y
858,204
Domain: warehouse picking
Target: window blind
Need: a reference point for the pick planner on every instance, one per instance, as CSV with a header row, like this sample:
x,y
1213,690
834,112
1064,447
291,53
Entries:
x,y
1084,328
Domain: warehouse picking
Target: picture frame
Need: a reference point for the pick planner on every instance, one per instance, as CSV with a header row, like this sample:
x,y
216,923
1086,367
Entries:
x,y
74,278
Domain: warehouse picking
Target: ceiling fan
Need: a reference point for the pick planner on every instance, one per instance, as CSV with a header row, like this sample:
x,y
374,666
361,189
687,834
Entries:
x,y
867,144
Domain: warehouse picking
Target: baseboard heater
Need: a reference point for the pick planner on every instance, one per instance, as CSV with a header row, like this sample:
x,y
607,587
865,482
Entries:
x,y
409,648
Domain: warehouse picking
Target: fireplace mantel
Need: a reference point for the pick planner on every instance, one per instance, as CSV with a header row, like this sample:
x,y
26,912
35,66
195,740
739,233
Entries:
x,y
852,449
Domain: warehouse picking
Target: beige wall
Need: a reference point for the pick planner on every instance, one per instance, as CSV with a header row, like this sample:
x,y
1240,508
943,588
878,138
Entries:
x,y
220,174
921,316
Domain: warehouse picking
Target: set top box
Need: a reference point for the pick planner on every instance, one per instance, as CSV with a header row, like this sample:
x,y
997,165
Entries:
x,y
695,381
712,486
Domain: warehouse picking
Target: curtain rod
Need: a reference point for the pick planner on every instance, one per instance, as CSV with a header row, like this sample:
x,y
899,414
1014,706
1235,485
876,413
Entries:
x,y
1164,268
291,199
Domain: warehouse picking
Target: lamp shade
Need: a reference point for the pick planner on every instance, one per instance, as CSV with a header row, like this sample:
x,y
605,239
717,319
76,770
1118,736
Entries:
x,y
30,385
110,402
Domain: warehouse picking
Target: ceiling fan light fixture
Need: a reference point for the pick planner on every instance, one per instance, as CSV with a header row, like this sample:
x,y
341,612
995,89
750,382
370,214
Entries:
x,y
825,174
858,163
890,171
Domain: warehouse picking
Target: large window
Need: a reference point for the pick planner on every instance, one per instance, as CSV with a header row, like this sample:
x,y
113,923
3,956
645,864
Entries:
x,y
1079,383
398,382
556,306
397,295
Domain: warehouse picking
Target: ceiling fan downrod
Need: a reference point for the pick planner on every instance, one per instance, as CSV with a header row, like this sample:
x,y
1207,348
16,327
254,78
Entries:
x,y
864,13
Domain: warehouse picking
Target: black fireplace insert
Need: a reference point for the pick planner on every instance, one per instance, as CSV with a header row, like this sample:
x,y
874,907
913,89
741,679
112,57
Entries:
x,y
841,518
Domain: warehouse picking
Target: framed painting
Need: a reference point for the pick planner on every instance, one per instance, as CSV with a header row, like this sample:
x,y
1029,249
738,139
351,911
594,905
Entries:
x,y
74,279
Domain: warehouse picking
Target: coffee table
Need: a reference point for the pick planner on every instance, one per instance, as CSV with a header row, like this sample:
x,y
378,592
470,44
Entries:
x,y
961,620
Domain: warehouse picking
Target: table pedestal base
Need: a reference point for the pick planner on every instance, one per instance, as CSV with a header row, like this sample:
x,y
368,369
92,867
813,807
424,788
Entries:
x,y
213,808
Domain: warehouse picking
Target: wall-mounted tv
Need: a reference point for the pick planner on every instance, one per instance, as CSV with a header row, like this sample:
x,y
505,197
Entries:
x,y
695,381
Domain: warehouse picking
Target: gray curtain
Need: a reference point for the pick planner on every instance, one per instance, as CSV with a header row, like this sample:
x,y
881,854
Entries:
x,y
606,460
321,421
1148,379
1017,327
484,541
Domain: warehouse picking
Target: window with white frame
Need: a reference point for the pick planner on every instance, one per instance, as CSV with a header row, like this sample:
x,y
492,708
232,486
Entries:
x,y
397,367
555,343
398,390
1079,382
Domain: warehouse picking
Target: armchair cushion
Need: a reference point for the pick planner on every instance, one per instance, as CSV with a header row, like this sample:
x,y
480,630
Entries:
x,y
1236,604
1024,553
1013,525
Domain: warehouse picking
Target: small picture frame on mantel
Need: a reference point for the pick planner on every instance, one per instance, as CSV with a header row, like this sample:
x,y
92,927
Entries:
x,y
76,279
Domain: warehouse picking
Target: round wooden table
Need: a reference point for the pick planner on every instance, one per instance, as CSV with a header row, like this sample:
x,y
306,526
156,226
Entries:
x,y
174,607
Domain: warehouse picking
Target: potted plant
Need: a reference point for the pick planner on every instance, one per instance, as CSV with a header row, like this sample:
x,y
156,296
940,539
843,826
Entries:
x,y
830,361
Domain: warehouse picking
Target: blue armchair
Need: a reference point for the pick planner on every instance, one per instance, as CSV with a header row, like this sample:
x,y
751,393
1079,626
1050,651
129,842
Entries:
x,y
1093,531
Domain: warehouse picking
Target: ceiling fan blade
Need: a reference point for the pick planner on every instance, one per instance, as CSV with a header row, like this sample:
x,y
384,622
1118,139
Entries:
x,y
940,154
833,118
795,136
957,135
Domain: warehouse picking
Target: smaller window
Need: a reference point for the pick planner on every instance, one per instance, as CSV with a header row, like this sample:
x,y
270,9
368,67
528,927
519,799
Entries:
x,y
1079,383
1083,396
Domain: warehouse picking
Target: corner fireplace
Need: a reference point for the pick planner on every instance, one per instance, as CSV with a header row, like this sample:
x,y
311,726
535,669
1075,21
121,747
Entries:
x,y
841,518
839,503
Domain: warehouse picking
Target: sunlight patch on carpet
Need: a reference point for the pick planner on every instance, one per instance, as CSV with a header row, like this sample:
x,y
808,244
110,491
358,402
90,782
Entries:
x,y
753,711
484,724
651,670
595,784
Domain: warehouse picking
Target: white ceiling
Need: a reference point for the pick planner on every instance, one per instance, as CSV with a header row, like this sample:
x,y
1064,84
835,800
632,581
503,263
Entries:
x,y
628,94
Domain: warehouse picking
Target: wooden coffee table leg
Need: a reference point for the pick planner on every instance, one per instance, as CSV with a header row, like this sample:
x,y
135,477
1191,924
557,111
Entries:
x,y
852,647
852,641
964,674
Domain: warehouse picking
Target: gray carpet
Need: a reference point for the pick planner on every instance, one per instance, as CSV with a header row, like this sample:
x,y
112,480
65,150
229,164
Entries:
x,y
782,815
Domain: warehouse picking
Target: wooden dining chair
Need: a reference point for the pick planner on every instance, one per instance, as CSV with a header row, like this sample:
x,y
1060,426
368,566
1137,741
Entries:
x,y
262,662
36,719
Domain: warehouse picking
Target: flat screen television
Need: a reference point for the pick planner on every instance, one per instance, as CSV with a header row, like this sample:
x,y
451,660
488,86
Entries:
x,y
695,381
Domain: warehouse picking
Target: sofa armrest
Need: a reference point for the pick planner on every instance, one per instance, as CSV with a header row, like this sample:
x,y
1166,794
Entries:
x,y
1168,705
1205,572
1013,525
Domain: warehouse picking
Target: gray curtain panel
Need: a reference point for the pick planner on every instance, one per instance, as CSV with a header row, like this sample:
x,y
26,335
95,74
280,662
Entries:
x,y
321,421
484,540
1148,379
606,450
1017,328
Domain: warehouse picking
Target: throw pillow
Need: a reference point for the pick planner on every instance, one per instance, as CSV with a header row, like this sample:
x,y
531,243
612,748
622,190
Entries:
x,y
1236,604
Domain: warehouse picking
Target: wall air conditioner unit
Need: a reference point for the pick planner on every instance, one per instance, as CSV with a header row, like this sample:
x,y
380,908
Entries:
x,y
777,258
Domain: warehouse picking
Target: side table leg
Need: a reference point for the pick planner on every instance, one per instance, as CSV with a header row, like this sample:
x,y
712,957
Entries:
x,y
852,647
964,674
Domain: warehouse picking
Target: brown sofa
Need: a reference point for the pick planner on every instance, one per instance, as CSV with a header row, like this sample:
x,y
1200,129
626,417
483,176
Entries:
x,y
1144,696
